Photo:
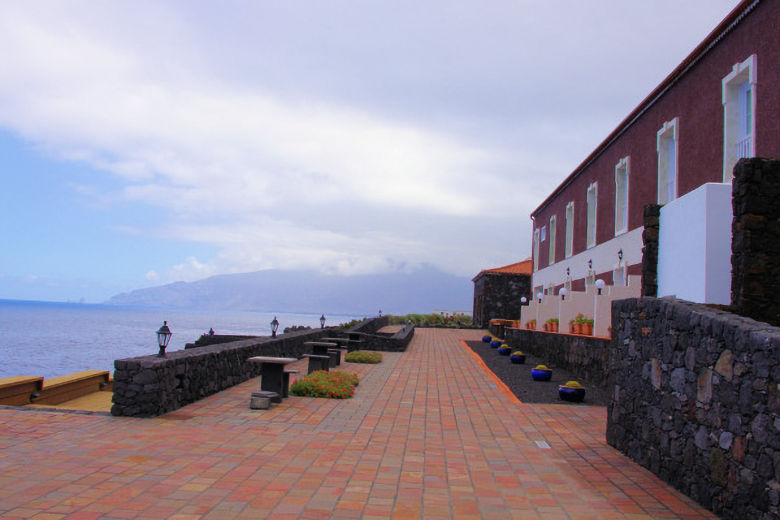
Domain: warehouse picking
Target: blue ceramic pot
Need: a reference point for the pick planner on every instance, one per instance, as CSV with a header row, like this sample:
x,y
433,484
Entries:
x,y
574,395
495,344
541,374
517,359
486,339
504,351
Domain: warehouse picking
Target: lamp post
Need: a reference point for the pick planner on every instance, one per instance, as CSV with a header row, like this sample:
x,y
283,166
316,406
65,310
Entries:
x,y
600,285
523,301
322,321
274,327
563,292
163,337
539,296
620,255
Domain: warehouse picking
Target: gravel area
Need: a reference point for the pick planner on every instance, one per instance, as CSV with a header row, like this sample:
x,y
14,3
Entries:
x,y
518,378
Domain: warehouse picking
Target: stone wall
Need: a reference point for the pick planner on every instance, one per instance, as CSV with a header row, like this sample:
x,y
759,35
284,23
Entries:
x,y
497,296
371,325
587,356
652,220
216,339
149,386
696,401
755,258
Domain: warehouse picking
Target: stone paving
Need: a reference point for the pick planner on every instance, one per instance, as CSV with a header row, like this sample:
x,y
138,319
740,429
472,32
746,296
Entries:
x,y
429,434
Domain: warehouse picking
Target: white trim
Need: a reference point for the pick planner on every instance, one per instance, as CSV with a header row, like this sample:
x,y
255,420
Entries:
x,y
622,168
553,238
666,168
744,73
569,247
591,226
536,250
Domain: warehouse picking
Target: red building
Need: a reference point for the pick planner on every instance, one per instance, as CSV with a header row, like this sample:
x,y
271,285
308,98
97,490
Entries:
x,y
720,104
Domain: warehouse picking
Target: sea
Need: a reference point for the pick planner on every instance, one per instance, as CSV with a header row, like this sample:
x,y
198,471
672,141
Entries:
x,y
53,339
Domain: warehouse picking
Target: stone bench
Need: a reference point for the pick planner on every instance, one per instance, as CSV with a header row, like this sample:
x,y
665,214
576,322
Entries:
x,y
318,362
273,378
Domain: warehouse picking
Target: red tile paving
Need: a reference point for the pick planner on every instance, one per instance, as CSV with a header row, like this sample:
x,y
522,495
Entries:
x,y
429,434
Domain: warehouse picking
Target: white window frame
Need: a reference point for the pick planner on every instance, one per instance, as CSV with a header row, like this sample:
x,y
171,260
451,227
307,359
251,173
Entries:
x,y
622,169
544,233
536,249
668,171
569,229
553,225
592,205
739,133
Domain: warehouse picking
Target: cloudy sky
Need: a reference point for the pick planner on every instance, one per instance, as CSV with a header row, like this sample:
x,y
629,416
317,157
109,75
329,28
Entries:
x,y
149,142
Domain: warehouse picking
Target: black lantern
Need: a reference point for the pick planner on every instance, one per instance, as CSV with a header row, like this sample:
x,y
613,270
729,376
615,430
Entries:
x,y
163,337
590,264
322,321
620,254
274,327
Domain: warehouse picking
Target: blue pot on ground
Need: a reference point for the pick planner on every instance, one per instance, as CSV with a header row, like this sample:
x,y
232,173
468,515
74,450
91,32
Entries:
x,y
572,392
504,350
495,343
517,358
486,339
541,373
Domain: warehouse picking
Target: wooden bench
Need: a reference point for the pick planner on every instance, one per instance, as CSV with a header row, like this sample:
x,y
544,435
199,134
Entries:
x,y
18,390
273,379
65,388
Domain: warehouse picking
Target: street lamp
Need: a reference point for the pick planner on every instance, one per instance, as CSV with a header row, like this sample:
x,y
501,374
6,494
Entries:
x,y
600,285
274,327
590,264
524,301
163,337
620,255
539,296
322,321
563,292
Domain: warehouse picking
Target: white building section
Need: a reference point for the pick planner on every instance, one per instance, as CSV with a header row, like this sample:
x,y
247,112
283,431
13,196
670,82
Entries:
x,y
694,246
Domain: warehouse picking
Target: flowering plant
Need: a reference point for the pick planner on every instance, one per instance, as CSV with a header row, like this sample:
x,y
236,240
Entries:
x,y
362,356
333,385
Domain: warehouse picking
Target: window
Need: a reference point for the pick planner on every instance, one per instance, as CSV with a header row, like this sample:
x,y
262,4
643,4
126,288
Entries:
x,y
666,145
552,240
544,233
621,196
569,229
536,249
739,122
591,202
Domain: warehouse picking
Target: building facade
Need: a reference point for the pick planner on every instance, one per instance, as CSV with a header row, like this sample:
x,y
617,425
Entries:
x,y
720,104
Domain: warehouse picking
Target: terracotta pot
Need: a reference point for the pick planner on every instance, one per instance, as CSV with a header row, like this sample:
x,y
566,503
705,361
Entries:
x,y
587,329
554,327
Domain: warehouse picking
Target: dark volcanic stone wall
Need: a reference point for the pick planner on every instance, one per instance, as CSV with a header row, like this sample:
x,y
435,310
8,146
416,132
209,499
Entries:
x,y
585,355
149,386
497,296
696,401
755,246
652,220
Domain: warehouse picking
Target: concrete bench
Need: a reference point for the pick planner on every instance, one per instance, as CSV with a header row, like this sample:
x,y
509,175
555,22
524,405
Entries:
x,y
318,362
272,379
18,390
262,400
65,388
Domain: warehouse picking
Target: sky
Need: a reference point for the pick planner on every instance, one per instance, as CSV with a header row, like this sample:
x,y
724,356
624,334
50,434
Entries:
x,y
149,142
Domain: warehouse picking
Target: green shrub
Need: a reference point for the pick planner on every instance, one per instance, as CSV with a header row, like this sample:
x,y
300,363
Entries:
x,y
362,356
333,385
421,320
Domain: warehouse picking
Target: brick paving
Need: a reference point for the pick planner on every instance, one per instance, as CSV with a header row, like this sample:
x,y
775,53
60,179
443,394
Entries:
x,y
429,434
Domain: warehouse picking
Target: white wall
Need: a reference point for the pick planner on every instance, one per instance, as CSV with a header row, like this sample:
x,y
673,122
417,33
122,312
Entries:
x,y
694,246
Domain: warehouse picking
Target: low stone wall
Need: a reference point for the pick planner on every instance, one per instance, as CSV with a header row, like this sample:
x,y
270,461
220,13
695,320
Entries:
x,y
587,356
396,342
149,386
216,339
371,325
696,401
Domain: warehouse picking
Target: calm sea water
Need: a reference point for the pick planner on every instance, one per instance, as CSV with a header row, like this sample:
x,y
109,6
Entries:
x,y
54,339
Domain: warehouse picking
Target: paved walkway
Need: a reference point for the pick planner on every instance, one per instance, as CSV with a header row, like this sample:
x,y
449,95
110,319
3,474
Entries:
x,y
429,434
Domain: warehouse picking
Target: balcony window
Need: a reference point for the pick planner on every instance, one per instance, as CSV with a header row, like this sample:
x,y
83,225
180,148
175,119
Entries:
x,y
591,200
738,91
569,229
666,146
552,240
621,196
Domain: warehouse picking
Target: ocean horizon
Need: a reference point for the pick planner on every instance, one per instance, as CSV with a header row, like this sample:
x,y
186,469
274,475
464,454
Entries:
x,y
51,339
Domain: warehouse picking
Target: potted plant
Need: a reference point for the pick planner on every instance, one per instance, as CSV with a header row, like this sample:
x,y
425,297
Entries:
x,y
531,324
504,350
588,327
552,325
517,357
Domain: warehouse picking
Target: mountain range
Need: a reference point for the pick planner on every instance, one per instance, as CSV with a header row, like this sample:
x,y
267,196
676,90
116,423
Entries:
x,y
419,291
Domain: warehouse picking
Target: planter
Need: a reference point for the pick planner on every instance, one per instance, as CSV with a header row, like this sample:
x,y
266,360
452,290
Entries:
x,y
572,392
541,373
495,343
486,339
587,329
504,350
554,326
517,358
531,325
